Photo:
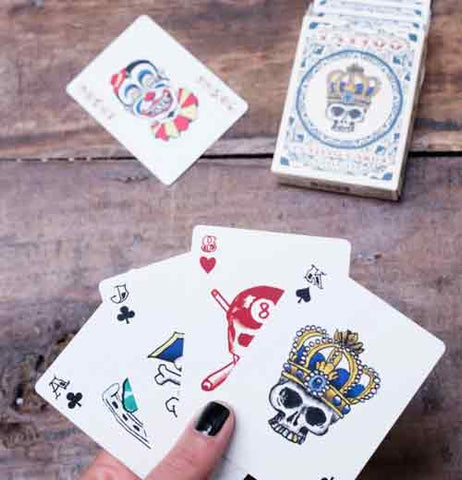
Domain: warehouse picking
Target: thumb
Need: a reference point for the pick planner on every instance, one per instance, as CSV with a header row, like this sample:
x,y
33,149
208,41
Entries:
x,y
199,448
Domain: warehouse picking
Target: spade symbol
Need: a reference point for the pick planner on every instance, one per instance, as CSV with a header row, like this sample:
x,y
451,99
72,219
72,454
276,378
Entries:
x,y
125,314
303,294
74,399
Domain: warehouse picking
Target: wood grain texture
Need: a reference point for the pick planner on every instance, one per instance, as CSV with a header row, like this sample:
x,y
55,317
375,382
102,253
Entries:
x,y
65,226
250,44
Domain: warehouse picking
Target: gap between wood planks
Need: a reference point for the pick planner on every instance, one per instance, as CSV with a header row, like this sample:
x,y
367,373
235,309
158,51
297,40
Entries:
x,y
234,156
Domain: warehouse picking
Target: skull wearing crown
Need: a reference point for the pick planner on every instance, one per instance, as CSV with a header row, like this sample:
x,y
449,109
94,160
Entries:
x,y
349,96
322,379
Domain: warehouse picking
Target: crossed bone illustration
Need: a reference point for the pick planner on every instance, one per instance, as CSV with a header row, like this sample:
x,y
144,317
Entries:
x,y
166,375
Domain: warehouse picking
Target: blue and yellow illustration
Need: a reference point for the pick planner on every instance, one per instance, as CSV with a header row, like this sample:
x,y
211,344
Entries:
x,y
321,381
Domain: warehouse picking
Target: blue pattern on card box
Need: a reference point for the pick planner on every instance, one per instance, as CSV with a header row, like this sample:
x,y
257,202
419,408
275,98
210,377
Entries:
x,y
351,93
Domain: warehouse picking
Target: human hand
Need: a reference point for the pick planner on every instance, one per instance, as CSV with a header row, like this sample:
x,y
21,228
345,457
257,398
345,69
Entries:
x,y
193,457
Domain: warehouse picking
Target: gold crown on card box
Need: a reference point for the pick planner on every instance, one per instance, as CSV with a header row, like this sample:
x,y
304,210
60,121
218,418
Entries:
x,y
330,369
352,86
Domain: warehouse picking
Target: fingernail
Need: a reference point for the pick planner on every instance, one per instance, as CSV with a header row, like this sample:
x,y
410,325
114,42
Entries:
x,y
212,419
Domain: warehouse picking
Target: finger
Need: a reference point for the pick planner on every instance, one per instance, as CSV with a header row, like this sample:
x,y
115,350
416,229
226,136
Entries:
x,y
199,448
106,467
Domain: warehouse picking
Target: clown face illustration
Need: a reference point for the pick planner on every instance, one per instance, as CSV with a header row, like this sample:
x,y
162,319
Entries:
x,y
147,93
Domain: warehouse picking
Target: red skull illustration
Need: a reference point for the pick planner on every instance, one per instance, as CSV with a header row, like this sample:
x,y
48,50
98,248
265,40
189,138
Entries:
x,y
246,314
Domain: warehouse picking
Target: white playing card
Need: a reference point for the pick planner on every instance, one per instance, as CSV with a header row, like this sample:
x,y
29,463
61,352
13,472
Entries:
x,y
320,391
157,296
238,279
89,385
121,361
157,99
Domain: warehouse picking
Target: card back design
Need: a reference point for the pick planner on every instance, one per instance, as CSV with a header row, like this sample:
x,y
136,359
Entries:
x,y
320,382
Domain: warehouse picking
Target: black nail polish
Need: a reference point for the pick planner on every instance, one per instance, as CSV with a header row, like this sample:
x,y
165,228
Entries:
x,y
212,419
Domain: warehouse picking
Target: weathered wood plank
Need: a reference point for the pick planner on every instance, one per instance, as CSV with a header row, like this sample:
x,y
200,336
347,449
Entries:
x,y
65,226
250,44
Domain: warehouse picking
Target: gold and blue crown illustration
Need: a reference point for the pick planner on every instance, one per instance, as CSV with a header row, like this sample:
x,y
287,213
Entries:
x,y
330,370
352,87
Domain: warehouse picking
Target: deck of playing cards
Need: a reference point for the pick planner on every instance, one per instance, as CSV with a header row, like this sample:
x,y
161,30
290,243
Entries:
x,y
317,368
348,117
157,99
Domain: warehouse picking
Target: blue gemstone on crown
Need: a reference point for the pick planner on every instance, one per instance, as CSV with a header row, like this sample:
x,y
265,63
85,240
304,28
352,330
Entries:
x,y
317,383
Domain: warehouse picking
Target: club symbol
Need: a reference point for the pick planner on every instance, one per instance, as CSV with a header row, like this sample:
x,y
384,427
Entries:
x,y
303,294
125,314
74,399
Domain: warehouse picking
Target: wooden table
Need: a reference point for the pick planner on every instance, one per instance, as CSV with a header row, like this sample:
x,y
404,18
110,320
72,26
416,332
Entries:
x,y
75,208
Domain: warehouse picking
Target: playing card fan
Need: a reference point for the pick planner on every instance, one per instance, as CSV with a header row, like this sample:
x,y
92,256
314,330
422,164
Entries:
x,y
267,322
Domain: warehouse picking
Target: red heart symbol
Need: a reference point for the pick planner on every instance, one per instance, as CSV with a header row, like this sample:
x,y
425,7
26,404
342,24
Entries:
x,y
208,264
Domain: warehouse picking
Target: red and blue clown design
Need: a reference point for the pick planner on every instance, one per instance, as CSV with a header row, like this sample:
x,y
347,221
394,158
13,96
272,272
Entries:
x,y
147,93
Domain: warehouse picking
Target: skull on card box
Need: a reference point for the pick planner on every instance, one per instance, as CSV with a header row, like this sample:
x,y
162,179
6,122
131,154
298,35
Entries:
x,y
349,97
322,379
